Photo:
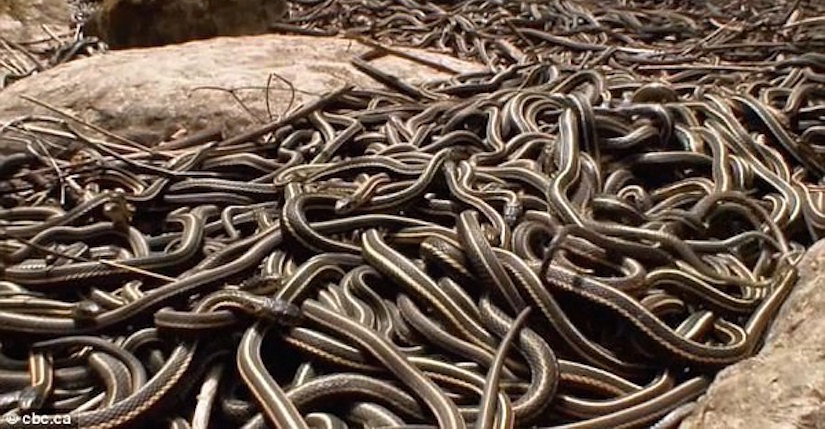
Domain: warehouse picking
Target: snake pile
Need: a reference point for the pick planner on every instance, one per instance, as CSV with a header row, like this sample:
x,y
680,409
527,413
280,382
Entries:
x,y
648,34
566,240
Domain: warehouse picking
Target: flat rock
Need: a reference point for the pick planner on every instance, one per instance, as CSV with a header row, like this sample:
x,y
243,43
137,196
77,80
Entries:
x,y
149,94
784,385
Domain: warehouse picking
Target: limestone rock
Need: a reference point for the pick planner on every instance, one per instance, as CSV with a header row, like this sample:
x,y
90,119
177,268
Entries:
x,y
140,23
784,385
148,94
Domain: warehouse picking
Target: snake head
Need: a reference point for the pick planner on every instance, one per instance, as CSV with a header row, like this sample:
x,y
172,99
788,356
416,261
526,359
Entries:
x,y
512,211
279,311
344,205
119,211
86,311
30,399
261,284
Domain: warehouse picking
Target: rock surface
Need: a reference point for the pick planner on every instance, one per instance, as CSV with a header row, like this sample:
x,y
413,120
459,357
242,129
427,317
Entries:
x,y
141,23
148,94
22,20
784,385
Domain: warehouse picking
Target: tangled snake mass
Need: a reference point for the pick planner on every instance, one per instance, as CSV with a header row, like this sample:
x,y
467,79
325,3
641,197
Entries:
x,y
579,236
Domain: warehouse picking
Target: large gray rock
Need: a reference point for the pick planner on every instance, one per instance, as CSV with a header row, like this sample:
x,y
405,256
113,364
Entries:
x,y
149,94
784,385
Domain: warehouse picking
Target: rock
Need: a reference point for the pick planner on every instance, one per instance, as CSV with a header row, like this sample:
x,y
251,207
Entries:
x,y
141,23
21,20
784,385
149,94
